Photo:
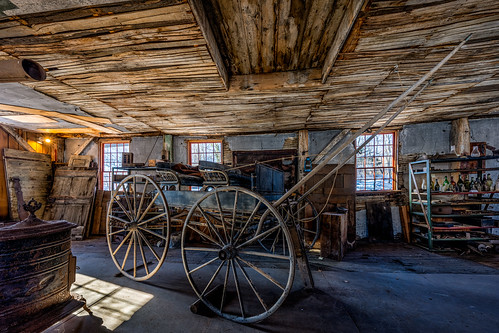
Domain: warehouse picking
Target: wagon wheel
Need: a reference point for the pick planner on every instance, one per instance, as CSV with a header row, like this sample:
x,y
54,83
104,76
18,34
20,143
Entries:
x,y
138,227
299,209
224,261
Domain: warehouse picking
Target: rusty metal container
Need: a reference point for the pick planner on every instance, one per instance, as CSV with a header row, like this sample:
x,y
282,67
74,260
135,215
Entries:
x,y
36,268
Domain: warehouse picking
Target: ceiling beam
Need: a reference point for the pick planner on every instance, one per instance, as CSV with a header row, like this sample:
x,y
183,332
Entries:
x,y
89,122
18,138
341,36
310,78
211,42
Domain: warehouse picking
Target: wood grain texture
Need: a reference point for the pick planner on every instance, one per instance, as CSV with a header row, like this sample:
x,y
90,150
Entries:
x,y
146,66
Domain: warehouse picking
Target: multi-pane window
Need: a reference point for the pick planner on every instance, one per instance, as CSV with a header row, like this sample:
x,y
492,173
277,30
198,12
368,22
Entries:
x,y
375,163
205,151
112,154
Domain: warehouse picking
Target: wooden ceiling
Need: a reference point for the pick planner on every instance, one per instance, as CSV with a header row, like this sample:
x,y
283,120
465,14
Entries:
x,y
253,66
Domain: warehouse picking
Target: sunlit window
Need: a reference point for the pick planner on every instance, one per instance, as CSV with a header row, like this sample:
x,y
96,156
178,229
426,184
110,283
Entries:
x,y
112,154
205,151
375,163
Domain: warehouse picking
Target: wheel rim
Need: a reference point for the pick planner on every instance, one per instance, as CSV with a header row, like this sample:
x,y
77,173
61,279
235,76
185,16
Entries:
x,y
138,227
226,256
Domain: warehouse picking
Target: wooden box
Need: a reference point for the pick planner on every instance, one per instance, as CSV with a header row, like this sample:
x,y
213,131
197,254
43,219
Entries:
x,y
334,235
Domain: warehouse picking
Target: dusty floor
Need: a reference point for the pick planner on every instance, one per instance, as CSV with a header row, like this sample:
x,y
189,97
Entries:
x,y
380,287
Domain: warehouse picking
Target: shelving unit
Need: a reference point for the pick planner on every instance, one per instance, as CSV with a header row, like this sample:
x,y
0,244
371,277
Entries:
x,y
439,217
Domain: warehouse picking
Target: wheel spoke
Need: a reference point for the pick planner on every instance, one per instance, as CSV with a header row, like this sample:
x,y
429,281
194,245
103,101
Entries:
x,y
143,196
219,205
265,254
203,265
153,218
234,215
116,232
263,234
119,219
251,285
153,233
265,275
127,252
205,236
226,280
210,225
148,207
135,197
127,199
134,254
122,242
201,249
124,209
236,281
212,279
143,256
247,222
150,247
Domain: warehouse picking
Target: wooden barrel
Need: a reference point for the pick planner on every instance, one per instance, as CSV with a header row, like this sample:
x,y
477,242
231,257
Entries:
x,y
35,268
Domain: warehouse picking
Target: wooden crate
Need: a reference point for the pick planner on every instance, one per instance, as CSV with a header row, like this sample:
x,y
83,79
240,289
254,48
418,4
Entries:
x,y
334,235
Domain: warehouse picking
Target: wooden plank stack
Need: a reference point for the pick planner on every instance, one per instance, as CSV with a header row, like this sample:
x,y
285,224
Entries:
x,y
72,197
34,172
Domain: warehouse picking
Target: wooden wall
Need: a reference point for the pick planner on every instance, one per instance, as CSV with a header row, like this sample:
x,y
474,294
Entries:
x,y
343,194
6,141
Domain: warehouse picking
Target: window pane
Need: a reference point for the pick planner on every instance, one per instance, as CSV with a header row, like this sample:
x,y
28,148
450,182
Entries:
x,y
379,139
209,147
194,148
369,161
388,151
378,161
360,161
388,161
218,147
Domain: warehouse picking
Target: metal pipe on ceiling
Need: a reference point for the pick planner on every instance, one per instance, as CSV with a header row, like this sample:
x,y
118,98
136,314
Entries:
x,y
18,70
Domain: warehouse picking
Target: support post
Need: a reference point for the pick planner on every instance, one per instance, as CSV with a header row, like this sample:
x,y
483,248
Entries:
x,y
302,152
460,136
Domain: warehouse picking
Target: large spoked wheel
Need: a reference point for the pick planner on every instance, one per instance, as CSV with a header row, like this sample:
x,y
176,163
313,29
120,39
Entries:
x,y
224,260
138,227
300,210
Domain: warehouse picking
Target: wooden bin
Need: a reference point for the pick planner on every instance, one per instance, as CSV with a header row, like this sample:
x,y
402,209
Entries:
x,y
334,235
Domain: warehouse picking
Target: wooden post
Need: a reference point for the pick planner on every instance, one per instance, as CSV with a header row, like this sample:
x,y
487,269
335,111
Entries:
x,y
460,136
167,153
302,152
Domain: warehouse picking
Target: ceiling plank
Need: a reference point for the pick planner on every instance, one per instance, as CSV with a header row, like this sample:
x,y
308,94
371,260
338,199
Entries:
x,y
18,138
75,119
204,25
344,29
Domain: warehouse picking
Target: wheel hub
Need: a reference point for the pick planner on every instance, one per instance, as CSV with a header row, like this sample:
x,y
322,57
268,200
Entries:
x,y
228,252
132,226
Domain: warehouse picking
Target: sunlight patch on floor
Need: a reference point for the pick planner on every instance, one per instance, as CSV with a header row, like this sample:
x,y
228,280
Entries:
x,y
111,302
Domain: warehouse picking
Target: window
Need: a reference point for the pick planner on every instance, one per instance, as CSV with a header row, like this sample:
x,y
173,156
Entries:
x,y
111,156
375,163
205,151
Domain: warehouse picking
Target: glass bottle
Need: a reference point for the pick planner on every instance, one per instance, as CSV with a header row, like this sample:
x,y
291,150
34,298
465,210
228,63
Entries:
x,y
460,184
432,185
496,186
423,186
489,183
485,186
475,152
437,185
478,184
466,184
453,184
445,184
473,184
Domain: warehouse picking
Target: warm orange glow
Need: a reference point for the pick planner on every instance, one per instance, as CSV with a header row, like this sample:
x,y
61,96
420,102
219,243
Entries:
x,y
47,140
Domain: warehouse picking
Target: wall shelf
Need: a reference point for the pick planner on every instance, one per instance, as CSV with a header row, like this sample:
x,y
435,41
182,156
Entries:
x,y
457,216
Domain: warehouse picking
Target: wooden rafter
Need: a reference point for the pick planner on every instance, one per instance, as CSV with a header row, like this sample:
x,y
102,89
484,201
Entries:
x,y
75,119
341,36
204,25
18,138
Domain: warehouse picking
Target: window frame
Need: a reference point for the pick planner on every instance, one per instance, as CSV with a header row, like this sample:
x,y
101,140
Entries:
x,y
101,162
394,165
189,149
